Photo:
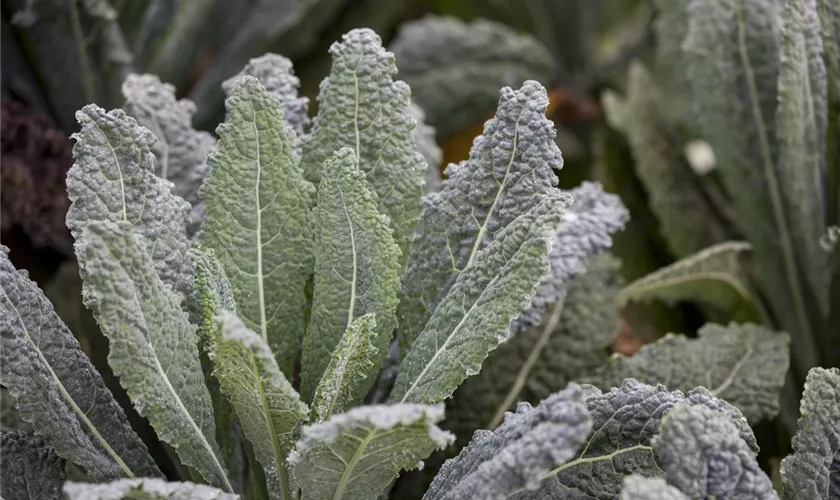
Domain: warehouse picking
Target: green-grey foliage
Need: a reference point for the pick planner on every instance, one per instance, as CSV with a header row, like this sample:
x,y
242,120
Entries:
x,y
57,389
811,471
258,209
715,276
477,313
456,69
424,137
276,74
344,383
638,487
510,167
113,179
687,222
360,106
359,452
700,449
152,344
801,121
29,468
731,59
744,364
180,150
625,422
573,338
357,270
268,408
515,456
145,489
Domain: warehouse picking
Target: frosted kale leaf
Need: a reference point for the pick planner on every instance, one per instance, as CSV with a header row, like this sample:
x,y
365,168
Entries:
x,y
180,150
811,472
145,488
801,121
360,106
687,222
519,452
638,487
742,364
356,271
572,339
268,408
258,210
29,468
704,456
456,69
358,453
57,389
276,74
586,229
113,179
477,313
625,421
343,384
715,276
152,344
510,167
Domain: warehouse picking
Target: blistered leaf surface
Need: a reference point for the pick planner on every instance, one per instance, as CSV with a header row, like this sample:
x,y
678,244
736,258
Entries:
x,y
742,364
357,270
362,107
511,165
56,387
258,209
146,488
29,468
153,346
355,455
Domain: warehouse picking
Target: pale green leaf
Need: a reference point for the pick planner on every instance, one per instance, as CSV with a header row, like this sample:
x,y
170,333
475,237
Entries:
x,y
810,473
703,455
212,295
573,338
276,74
113,179
742,364
360,106
455,69
515,456
356,270
638,487
713,276
343,384
477,313
510,167
355,455
801,121
624,422
152,344
144,489
180,150
29,468
57,389
731,59
687,222
268,407
258,210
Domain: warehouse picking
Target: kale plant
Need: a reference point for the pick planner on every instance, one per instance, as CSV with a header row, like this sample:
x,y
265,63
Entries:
x,y
295,317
